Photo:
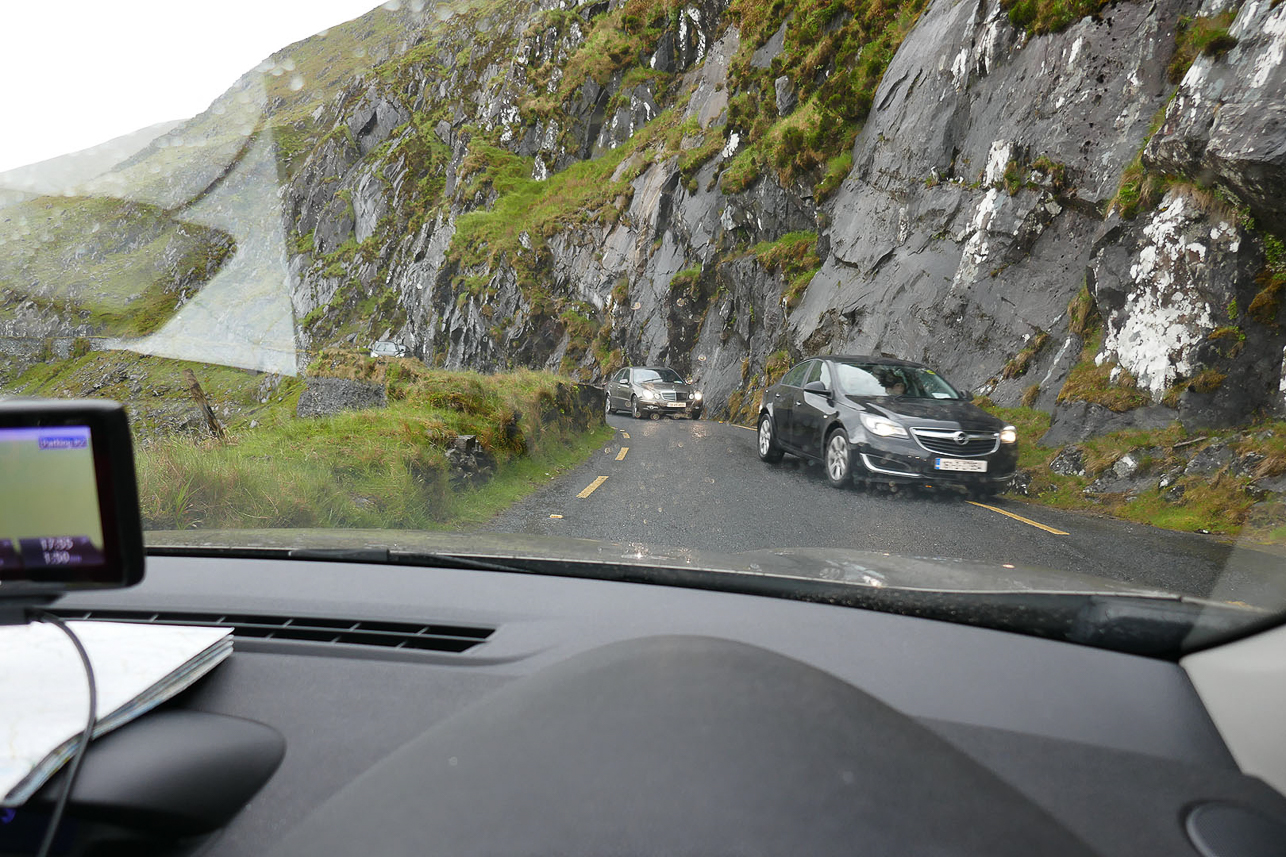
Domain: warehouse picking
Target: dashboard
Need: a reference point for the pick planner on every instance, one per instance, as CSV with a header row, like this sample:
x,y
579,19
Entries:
x,y
404,710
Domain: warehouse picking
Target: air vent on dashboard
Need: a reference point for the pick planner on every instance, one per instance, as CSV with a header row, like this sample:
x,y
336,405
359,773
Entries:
x,y
392,635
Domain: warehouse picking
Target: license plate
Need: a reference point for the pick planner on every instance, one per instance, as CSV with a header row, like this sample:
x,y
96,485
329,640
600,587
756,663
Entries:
x,y
960,464
678,404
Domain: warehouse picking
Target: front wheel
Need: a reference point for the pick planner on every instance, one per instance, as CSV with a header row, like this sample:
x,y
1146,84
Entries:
x,y
696,415
839,459
634,408
769,451
607,405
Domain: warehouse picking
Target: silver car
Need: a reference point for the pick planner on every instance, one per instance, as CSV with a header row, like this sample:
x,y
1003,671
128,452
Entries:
x,y
652,391
385,348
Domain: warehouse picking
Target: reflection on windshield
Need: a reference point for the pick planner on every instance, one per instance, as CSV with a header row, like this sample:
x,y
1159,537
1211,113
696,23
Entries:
x,y
876,379
667,376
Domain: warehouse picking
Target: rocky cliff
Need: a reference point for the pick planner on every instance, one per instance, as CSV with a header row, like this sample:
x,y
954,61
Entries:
x,y
1076,206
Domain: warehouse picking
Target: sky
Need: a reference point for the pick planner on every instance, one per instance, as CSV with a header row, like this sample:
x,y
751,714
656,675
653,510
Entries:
x,y
80,72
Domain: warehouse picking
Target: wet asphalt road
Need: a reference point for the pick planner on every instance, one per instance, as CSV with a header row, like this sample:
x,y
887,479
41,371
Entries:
x,y
701,485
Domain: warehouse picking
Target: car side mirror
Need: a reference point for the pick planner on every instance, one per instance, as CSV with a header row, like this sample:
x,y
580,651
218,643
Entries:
x,y
816,387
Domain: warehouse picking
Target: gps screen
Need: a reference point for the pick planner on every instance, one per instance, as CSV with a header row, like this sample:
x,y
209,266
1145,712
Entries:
x,y
50,525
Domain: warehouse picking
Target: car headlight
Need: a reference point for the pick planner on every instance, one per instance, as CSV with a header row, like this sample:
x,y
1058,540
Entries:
x,y
1009,434
882,426
696,397
649,395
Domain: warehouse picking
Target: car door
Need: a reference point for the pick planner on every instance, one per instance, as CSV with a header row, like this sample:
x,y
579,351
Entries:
x,y
618,389
810,412
783,402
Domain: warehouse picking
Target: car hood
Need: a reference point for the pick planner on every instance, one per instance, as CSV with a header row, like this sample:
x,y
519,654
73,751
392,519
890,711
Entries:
x,y
858,568
663,386
967,414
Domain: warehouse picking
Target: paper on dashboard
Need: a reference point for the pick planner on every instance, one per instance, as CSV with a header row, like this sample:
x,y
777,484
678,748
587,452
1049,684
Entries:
x,y
44,699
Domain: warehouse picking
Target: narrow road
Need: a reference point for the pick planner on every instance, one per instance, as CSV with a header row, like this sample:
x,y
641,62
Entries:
x,y
701,485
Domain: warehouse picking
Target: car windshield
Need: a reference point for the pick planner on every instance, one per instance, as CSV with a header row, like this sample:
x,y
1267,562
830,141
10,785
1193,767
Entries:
x,y
366,274
665,376
875,379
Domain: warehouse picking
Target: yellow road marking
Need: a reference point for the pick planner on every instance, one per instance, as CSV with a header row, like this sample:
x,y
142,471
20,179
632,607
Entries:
x,y
1027,521
593,486
621,454
555,516
625,434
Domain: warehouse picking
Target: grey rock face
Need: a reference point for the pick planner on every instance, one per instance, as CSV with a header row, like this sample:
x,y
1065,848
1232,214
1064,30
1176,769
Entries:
x,y
470,463
1126,476
1074,422
1164,284
786,98
928,248
374,119
328,396
1227,123
1069,462
768,51
952,240
1212,459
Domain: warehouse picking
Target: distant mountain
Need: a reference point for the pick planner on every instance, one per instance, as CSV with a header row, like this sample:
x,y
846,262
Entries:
x,y
64,173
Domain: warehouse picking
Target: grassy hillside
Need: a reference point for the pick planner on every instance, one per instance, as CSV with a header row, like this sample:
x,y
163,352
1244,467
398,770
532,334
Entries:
x,y
1225,497
385,467
119,267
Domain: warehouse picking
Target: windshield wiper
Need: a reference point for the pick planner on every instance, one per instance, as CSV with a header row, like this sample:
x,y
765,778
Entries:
x,y
1145,624
371,555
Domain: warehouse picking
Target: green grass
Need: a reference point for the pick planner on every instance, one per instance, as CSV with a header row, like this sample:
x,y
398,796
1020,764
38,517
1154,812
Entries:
x,y
795,255
1266,305
155,391
835,54
1199,35
1088,382
1218,503
1021,362
119,267
1039,17
383,468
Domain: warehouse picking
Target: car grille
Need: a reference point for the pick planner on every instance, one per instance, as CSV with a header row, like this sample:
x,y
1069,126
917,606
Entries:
x,y
945,443
672,396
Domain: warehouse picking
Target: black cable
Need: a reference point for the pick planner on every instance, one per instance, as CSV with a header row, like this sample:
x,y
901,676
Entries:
x,y
74,767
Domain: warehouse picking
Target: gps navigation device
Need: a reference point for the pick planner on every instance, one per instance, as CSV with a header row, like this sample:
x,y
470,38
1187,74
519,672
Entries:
x,y
69,516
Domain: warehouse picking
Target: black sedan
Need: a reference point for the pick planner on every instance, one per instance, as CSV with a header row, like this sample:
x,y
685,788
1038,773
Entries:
x,y
879,419
653,391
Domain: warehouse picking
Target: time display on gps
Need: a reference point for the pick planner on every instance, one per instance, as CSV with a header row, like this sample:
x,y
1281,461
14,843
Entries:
x,y
50,522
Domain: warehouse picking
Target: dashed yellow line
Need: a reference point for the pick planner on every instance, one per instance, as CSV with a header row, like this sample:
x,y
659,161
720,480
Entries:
x,y
593,486
1027,521
620,455
625,434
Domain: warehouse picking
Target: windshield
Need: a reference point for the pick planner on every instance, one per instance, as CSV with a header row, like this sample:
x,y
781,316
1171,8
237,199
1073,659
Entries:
x,y
873,379
360,269
666,376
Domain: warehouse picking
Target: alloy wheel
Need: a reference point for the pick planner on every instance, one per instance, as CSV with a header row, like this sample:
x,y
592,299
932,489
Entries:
x,y
837,459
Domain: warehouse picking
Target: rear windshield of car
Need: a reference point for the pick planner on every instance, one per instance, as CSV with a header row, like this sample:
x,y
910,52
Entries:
x,y
878,379
669,376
